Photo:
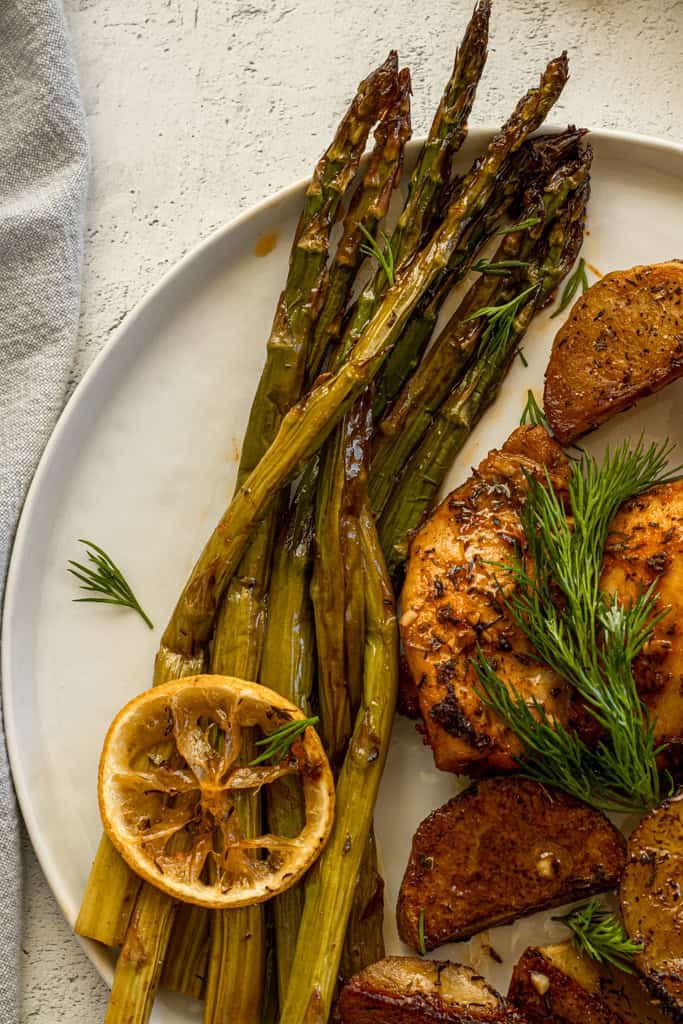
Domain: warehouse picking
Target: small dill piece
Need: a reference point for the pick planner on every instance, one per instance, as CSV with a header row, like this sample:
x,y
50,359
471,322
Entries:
x,y
578,279
385,256
523,225
499,268
277,744
532,414
589,639
522,358
421,933
500,319
103,577
601,935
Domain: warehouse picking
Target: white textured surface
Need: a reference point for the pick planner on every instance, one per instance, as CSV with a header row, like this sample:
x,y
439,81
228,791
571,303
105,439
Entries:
x,y
198,108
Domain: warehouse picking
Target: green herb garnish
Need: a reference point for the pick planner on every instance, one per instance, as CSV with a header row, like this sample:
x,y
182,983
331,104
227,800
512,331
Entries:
x,y
523,225
385,257
501,268
532,413
500,319
601,936
587,638
277,744
103,577
421,933
579,277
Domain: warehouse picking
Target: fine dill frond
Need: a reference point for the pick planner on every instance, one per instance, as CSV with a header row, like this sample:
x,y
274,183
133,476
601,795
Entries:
x,y
277,744
101,576
501,319
588,639
385,257
579,277
523,225
501,268
601,935
532,414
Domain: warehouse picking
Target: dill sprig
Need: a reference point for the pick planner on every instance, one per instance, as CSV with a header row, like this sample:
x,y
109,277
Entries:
x,y
532,413
579,277
523,225
421,934
277,744
499,268
103,577
587,638
385,257
601,935
501,319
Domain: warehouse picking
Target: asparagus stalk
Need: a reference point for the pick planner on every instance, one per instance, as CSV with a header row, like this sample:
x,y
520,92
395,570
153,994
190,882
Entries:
x,y
426,469
403,426
368,206
187,956
289,668
330,884
364,941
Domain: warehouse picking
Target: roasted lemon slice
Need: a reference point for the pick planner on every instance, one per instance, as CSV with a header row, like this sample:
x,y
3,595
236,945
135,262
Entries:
x,y
170,781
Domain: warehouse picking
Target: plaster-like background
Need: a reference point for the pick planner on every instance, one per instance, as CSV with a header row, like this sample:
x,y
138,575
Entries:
x,y
198,108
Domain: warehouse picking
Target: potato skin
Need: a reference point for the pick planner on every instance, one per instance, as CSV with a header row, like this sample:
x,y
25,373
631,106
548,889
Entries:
x,y
451,602
502,849
645,546
557,985
407,990
650,896
623,340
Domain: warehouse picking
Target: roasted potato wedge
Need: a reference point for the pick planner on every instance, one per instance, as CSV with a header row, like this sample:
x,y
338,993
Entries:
x,y
407,990
622,341
652,901
645,546
557,985
502,849
452,600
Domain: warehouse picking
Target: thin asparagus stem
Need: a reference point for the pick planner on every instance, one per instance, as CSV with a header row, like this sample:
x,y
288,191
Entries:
x,y
426,469
368,206
403,426
330,884
364,940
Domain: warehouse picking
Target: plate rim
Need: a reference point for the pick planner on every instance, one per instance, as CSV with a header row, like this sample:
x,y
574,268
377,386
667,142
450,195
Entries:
x,y
98,955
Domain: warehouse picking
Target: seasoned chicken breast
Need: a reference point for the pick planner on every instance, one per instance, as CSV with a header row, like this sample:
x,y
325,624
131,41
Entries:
x,y
501,849
622,341
557,985
407,990
645,546
452,601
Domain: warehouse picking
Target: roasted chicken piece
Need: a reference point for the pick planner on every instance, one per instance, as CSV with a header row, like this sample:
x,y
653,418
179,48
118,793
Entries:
x,y
406,990
652,901
645,546
557,985
622,341
452,601
502,849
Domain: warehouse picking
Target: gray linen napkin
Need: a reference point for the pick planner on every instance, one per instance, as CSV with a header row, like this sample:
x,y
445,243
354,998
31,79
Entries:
x,y
43,184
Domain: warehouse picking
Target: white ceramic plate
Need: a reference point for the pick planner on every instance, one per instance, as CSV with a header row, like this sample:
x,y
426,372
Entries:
x,y
143,462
